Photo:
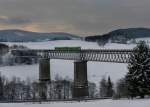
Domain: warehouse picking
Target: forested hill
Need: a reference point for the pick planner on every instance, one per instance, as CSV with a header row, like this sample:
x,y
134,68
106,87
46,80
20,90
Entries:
x,y
26,36
121,35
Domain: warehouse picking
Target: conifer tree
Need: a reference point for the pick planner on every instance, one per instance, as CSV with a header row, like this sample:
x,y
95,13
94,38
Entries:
x,y
138,77
103,87
109,88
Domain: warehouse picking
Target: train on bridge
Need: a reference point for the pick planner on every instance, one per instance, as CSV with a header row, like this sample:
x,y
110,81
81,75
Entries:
x,y
68,48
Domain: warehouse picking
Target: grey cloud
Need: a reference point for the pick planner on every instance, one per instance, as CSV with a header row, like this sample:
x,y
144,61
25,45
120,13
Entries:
x,y
84,16
14,20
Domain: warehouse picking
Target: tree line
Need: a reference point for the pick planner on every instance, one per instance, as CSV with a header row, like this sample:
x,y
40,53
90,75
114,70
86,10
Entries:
x,y
17,89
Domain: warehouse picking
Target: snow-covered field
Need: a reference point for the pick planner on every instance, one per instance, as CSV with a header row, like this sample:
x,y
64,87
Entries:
x,y
83,44
96,70
65,69
53,44
101,103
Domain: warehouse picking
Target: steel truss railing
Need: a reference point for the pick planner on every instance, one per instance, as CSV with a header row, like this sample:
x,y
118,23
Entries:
x,y
103,55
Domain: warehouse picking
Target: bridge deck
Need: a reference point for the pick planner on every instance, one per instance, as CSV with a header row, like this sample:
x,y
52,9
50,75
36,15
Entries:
x,y
103,55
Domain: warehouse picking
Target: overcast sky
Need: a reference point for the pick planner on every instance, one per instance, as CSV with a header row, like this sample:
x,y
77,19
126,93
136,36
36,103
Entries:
x,y
82,17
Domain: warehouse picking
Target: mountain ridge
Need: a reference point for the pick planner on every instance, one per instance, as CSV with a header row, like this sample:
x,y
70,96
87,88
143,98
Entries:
x,y
16,35
121,35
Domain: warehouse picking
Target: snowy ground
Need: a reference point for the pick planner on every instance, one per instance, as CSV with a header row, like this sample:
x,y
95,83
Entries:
x,y
101,103
65,68
83,44
53,44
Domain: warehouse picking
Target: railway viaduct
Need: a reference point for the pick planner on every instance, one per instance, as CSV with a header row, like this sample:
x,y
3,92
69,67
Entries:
x,y
80,57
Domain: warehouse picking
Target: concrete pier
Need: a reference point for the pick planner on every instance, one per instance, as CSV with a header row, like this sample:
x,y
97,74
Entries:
x,y
80,79
42,90
44,77
44,70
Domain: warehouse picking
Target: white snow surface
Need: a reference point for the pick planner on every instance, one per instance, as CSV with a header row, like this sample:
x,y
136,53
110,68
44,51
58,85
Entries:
x,y
61,43
96,70
100,103
64,68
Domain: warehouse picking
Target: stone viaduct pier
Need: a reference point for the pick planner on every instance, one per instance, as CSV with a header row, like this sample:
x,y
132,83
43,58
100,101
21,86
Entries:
x,y
80,57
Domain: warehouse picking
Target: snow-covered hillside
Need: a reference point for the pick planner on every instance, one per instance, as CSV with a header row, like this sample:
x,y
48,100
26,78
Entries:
x,y
100,103
16,35
96,70
143,39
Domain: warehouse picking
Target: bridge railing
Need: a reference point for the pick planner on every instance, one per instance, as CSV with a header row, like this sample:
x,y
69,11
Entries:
x,y
103,55
119,56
